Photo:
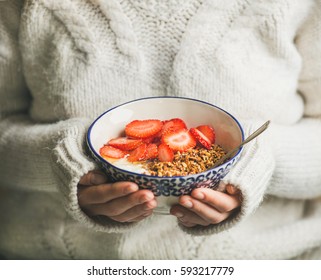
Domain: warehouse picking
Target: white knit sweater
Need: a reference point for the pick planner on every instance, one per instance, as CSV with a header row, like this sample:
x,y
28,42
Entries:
x,y
63,62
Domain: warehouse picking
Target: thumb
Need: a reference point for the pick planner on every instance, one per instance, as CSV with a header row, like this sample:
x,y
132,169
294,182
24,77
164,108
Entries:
x,y
93,178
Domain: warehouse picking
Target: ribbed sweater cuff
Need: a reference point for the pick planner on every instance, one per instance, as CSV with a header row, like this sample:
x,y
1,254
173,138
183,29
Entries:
x,y
70,164
251,175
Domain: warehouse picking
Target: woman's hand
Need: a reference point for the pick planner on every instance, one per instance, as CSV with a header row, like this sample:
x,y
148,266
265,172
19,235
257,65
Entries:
x,y
205,206
121,201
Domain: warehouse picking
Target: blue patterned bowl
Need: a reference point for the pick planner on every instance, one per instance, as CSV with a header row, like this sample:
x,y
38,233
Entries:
x,y
110,124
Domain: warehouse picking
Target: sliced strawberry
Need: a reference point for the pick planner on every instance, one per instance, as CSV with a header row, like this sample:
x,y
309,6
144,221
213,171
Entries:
x,y
111,152
208,131
152,151
143,128
173,125
180,140
124,143
201,138
149,140
165,153
156,140
138,154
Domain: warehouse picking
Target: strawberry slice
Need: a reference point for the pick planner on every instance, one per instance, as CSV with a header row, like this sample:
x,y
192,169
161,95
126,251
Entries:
x,y
143,128
138,154
125,143
111,152
152,151
208,131
173,125
201,138
180,140
149,140
165,153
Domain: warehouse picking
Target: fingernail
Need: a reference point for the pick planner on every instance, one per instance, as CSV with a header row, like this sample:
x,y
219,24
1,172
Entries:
x,y
98,178
188,204
231,189
130,189
179,215
150,205
146,197
198,195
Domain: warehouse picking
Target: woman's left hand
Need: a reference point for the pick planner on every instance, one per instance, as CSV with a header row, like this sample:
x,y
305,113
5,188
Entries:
x,y
205,206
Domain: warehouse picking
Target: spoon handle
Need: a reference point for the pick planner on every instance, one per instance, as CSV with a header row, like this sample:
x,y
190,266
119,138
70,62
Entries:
x,y
248,139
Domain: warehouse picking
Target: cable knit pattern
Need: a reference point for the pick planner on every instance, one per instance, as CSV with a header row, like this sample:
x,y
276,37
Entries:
x,y
77,27
62,63
151,24
120,24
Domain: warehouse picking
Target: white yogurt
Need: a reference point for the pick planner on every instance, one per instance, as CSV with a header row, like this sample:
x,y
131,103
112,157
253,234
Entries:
x,y
123,163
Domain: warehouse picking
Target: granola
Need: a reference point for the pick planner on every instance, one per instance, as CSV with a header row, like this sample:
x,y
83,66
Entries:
x,y
192,161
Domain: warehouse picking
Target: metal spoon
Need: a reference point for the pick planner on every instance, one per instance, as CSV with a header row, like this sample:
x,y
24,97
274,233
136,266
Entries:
x,y
248,139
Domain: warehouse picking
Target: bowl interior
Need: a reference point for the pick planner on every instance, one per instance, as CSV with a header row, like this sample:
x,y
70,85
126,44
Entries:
x,y
111,124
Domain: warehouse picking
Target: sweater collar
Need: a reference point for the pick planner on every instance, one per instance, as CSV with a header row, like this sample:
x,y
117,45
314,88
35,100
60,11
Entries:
x,y
162,9
204,32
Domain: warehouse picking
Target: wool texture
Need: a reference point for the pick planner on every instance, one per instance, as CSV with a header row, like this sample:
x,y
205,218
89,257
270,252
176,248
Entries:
x,y
64,62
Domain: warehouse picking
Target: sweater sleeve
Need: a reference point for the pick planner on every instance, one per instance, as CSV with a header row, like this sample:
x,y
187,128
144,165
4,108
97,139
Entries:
x,y
297,147
38,156
251,175
286,160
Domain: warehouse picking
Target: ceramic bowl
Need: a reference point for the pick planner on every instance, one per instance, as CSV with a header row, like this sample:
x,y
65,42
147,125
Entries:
x,y
110,124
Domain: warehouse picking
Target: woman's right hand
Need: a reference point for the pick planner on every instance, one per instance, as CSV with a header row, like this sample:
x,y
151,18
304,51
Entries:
x,y
121,201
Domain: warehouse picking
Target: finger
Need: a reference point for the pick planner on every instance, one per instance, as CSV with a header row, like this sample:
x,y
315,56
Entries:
x,y
232,190
105,192
142,217
187,224
120,205
93,178
187,217
221,201
136,213
203,210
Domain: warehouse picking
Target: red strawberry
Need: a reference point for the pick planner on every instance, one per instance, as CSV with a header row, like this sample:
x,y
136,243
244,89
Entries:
x,y
149,140
173,125
125,143
143,128
165,153
138,154
201,138
152,151
180,140
157,137
208,131
112,152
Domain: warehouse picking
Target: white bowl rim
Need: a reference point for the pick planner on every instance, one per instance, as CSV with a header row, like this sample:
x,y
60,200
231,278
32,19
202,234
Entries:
x,y
163,177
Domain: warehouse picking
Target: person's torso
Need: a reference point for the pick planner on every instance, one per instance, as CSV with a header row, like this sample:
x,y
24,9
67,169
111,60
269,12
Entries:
x,y
83,57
